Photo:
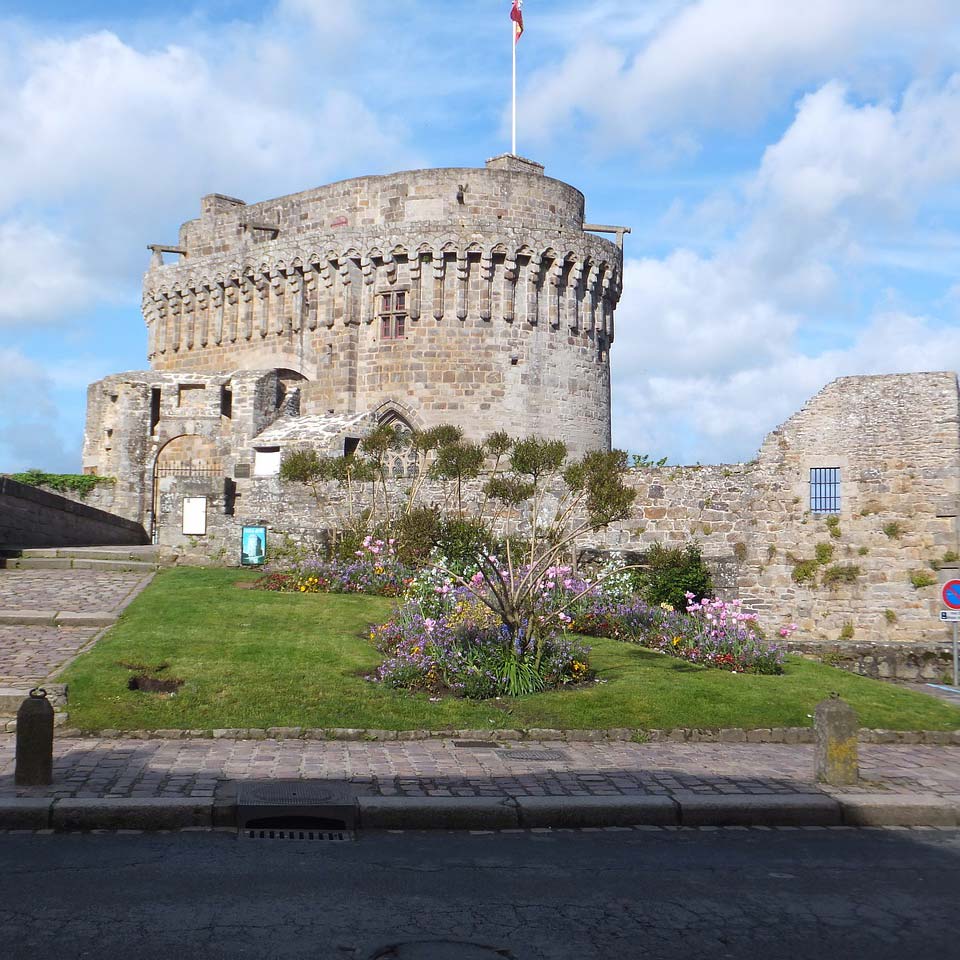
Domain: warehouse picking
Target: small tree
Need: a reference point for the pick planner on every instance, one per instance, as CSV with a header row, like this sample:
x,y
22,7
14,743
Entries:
x,y
592,495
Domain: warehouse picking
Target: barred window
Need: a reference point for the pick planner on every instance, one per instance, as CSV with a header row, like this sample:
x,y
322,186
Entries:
x,y
393,315
825,489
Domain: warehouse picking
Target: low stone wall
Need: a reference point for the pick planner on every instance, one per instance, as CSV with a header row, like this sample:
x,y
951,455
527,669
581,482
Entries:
x,y
30,517
932,662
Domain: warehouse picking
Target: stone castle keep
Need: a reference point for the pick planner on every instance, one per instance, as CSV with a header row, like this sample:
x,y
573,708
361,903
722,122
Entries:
x,y
480,297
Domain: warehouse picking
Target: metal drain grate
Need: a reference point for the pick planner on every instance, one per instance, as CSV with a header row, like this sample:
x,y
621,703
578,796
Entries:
x,y
330,836
532,754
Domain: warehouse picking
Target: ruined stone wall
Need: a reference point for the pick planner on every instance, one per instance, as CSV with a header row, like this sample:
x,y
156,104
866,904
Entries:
x,y
509,303
895,440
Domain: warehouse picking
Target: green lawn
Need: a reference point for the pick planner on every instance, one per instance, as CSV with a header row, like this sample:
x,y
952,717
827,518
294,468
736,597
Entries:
x,y
255,659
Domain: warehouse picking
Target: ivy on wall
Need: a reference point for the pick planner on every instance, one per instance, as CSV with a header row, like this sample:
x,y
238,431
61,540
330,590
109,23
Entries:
x,y
79,483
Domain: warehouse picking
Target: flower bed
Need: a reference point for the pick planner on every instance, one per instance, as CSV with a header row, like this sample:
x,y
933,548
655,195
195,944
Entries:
x,y
443,638
376,571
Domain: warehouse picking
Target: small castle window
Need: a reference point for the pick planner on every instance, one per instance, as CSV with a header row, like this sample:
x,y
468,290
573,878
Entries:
x,y
393,315
824,489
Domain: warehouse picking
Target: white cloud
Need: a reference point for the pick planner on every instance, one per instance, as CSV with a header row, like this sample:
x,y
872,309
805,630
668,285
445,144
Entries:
x,y
724,63
117,144
721,337
41,273
29,429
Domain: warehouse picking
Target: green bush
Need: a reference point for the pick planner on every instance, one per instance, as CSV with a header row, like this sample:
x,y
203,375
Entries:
x,y
833,527
846,632
671,572
841,573
921,579
417,533
805,571
890,616
824,553
893,529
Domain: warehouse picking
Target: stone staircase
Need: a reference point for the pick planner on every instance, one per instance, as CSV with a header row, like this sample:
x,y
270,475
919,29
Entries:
x,y
122,559
54,603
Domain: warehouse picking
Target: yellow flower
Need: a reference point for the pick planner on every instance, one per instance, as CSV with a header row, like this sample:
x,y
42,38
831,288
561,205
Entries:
x,y
676,641
414,649
303,589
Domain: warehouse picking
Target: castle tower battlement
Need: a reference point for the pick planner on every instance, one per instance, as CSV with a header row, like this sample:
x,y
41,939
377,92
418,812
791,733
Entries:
x,y
466,295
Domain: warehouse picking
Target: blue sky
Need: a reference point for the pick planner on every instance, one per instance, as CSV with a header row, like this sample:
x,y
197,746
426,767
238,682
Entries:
x,y
790,171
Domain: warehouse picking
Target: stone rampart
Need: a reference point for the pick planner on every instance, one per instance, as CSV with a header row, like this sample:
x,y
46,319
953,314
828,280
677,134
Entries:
x,y
30,517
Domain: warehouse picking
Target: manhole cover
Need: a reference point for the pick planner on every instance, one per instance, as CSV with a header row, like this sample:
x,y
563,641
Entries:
x,y
293,791
299,805
532,754
440,950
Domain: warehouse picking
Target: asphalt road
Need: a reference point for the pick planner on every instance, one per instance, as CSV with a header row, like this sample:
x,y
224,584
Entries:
x,y
560,895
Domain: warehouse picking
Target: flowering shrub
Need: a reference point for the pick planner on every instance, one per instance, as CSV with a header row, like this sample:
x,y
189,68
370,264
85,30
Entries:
x,y
466,652
375,570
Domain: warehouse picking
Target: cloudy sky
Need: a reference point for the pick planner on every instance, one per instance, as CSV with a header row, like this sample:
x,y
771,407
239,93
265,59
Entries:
x,y
791,171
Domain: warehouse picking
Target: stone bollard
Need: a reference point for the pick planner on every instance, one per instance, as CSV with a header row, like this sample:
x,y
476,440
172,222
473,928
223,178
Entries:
x,y
34,759
835,725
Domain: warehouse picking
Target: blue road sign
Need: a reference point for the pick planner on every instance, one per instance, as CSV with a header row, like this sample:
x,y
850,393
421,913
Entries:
x,y
951,594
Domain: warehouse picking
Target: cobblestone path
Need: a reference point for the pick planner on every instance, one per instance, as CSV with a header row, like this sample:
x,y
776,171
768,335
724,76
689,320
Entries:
x,y
93,767
76,591
30,652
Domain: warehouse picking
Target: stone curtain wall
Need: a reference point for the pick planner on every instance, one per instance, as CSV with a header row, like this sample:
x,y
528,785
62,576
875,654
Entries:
x,y
895,440
30,517
510,303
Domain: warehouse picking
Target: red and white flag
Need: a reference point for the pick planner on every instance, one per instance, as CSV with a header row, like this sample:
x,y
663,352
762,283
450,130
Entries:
x,y
516,15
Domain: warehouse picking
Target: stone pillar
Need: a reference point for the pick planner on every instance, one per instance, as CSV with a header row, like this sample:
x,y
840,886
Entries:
x,y
555,277
574,283
247,292
415,273
439,272
163,320
231,293
486,286
835,725
533,290
176,311
509,288
277,302
367,306
216,300
463,278
202,314
295,289
261,304
189,317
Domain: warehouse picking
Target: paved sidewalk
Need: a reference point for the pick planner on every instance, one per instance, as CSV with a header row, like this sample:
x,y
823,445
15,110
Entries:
x,y
92,767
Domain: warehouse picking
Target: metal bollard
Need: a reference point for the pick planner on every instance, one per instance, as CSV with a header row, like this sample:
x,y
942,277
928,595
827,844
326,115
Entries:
x,y
34,763
835,725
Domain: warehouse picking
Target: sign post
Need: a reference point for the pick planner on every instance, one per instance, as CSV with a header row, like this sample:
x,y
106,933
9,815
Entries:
x,y
951,600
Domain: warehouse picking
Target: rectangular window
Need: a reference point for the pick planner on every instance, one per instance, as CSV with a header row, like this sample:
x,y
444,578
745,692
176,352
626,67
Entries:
x,y
266,461
393,315
825,489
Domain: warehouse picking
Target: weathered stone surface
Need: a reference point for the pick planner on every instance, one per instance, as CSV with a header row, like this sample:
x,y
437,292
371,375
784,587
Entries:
x,y
835,726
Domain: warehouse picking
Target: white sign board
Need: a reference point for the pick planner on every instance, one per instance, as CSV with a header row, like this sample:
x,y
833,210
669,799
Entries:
x,y
195,516
949,615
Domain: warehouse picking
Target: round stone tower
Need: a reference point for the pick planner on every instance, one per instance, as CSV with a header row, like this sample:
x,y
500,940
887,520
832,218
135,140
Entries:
x,y
467,296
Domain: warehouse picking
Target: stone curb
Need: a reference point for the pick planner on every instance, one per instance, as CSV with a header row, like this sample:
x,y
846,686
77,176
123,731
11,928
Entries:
x,y
134,813
787,735
505,813
30,618
93,619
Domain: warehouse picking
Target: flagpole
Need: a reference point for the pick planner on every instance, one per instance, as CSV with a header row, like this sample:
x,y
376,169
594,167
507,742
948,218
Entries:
x,y
513,39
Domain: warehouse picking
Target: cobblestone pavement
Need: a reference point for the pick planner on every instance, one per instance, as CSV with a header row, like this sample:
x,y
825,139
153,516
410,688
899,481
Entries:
x,y
29,653
76,591
34,653
91,767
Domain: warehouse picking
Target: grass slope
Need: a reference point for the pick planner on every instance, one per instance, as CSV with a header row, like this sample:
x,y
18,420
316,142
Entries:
x,y
256,659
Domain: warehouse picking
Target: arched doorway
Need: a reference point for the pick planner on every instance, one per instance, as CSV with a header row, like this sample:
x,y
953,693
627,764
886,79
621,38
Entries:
x,y
188,456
